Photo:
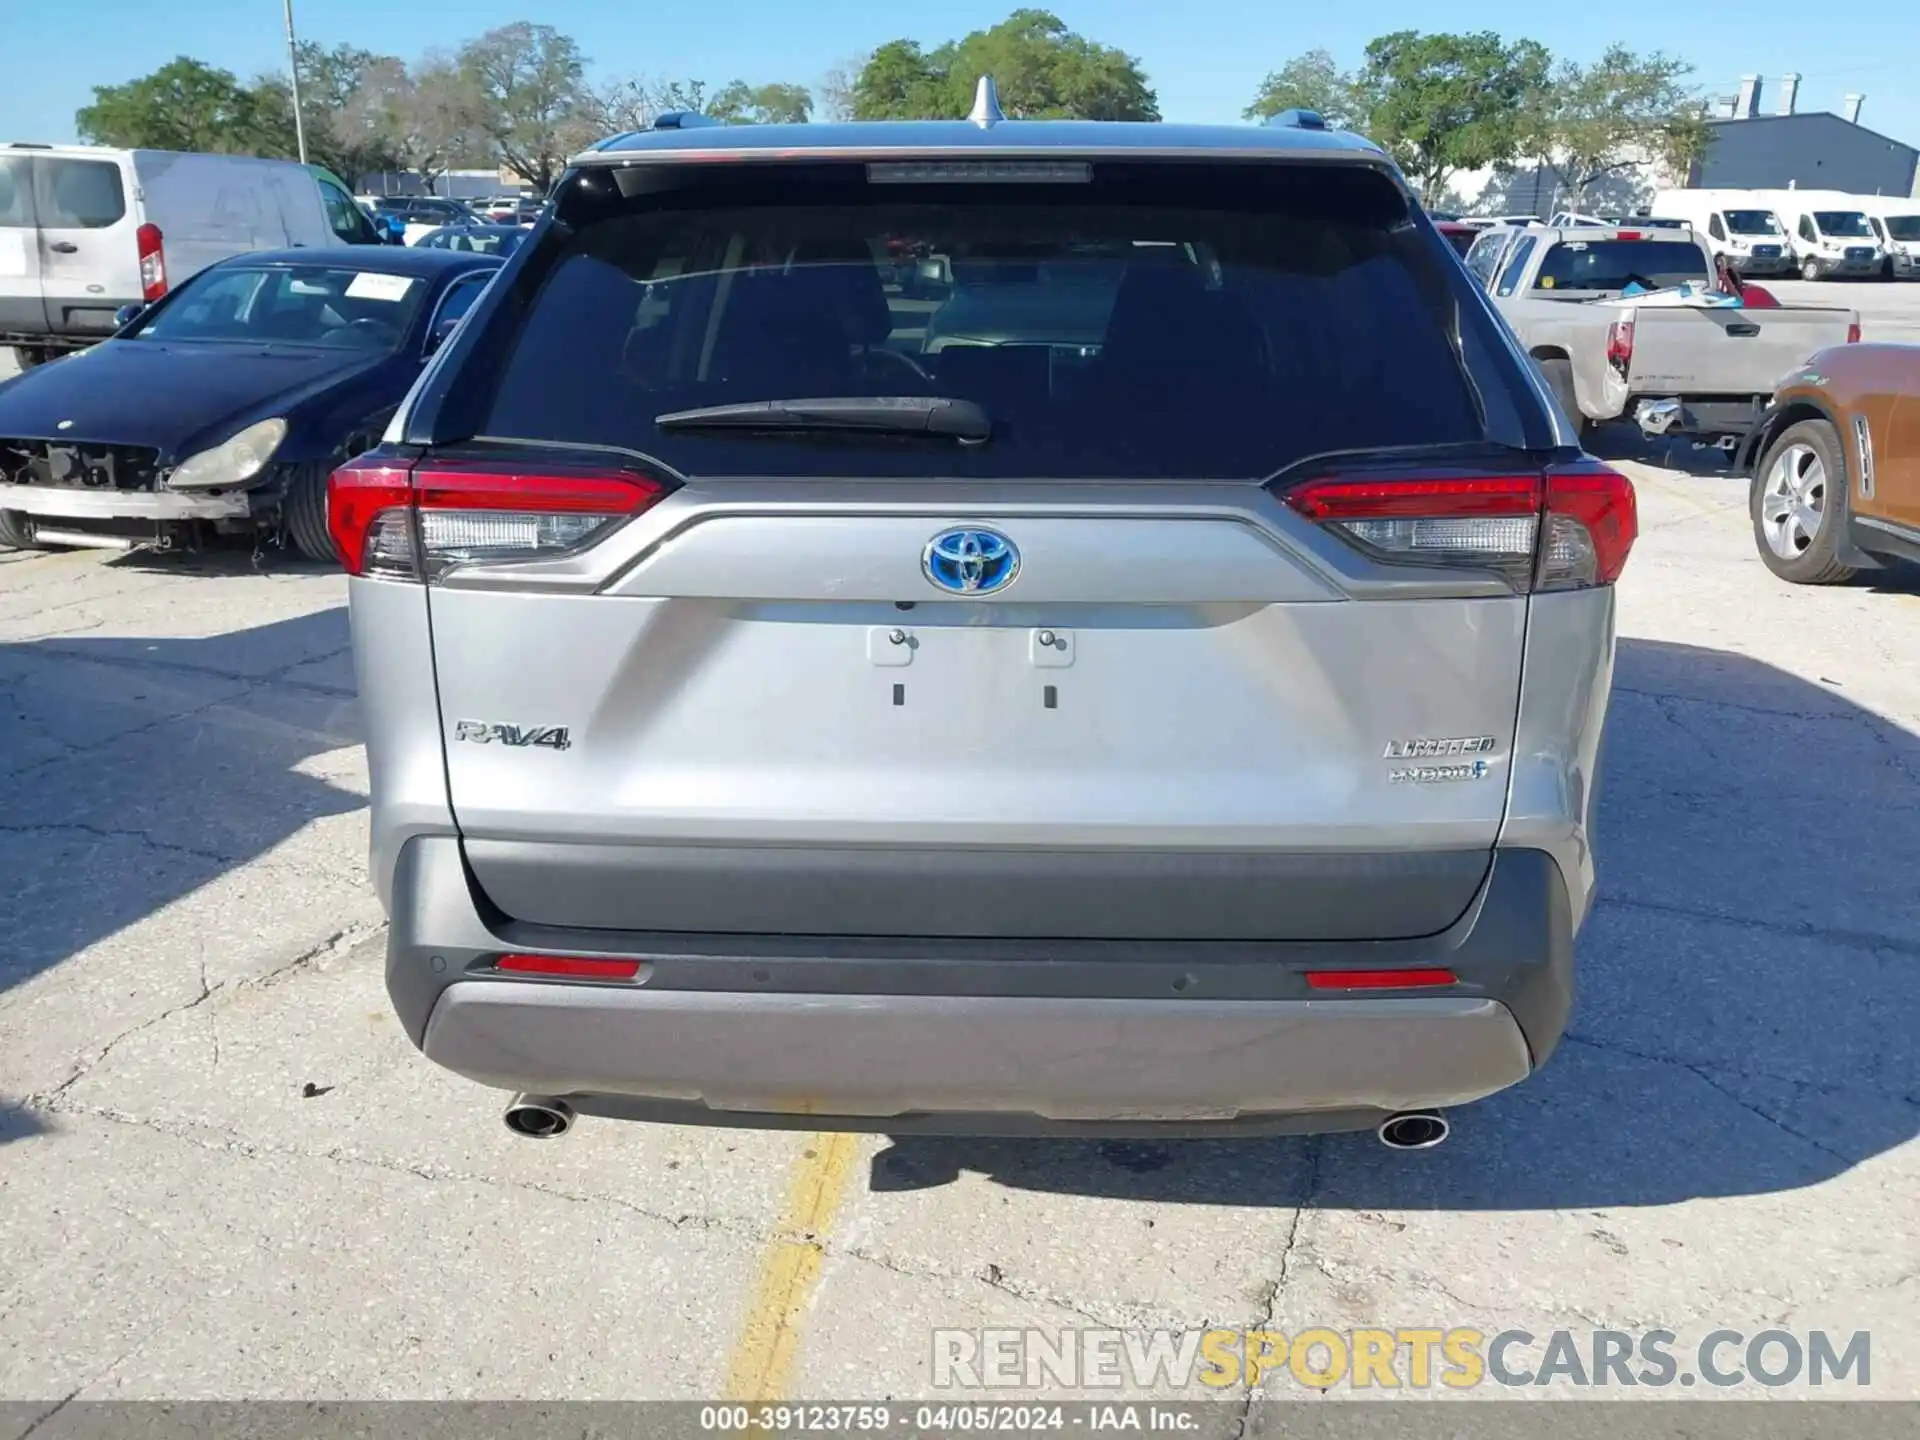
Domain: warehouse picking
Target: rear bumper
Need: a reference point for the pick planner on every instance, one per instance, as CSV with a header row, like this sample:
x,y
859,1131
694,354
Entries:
x,y
1674,415
984,1036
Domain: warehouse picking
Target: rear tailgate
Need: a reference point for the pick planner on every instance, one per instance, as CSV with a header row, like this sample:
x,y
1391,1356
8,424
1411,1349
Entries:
x,y
1165,704
1690,350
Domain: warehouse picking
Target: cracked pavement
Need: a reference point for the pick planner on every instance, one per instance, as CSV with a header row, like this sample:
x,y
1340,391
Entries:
x,y
225,1173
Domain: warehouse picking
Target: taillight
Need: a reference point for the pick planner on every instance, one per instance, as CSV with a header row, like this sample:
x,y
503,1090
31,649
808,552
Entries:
x,y
1620,346
153,262
1628,235
1486,521
397,524
1565,529
1592,520
1853,333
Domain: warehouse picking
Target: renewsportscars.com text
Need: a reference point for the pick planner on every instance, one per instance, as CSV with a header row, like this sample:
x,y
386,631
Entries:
x,y
1456,1358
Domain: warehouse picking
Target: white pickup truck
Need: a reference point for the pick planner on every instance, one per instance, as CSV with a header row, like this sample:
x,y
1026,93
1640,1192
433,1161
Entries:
x,y
1700,370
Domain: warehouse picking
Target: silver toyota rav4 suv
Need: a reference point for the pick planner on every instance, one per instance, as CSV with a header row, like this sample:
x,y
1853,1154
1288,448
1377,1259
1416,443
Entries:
x,y
984,627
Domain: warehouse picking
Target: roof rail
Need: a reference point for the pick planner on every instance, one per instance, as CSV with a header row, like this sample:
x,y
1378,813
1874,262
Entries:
x,y
683,120
1298,119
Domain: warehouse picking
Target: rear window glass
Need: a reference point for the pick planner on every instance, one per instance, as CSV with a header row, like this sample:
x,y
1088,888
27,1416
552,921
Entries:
x,y
79,194
1155,338
1616,264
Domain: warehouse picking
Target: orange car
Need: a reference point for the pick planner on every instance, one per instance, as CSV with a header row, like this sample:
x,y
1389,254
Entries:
x,y
1835,462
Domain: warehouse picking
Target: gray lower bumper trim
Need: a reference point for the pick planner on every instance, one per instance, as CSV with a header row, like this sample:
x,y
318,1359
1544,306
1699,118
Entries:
x,y
1060,1059
54,501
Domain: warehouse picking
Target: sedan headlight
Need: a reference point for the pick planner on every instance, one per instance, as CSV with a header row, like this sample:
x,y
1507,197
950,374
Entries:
x,y
233,462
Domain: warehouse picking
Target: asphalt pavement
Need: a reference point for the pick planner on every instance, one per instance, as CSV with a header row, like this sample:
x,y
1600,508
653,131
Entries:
x,y
225,1173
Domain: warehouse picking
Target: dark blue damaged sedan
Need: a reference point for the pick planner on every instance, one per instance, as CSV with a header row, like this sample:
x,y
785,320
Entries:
x,y
223,406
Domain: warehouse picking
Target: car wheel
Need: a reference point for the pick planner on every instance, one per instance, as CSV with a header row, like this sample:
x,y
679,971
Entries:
x,y
28,357
1809,269
1559,375
1798,500
16,531
304,512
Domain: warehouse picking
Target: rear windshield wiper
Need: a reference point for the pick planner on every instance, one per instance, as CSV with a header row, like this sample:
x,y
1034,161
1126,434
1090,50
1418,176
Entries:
x,y
885,414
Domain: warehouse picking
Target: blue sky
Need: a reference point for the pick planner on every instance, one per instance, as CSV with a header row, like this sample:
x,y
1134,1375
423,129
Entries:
x,y
1205,57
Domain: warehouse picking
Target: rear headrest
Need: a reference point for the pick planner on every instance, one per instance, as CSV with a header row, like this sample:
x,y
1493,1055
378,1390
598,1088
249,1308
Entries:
x,y
1166,317
842,273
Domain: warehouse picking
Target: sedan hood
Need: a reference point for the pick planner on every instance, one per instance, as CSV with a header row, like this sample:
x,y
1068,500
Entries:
x,y
175,396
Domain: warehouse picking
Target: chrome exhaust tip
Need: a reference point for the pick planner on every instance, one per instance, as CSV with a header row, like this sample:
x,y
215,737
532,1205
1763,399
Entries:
x,y
1414,1130
539,1117
81,539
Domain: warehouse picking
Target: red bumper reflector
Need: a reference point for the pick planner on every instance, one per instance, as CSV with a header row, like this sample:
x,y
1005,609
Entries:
x,y
576,966
1421,979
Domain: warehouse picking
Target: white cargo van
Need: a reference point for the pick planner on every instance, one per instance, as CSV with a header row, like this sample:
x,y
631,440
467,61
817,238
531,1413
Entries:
x,y
1735,224
1831,233
1896,222
86,230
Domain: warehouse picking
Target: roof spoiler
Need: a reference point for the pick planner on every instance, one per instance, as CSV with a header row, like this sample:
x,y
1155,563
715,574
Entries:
x,y
683,120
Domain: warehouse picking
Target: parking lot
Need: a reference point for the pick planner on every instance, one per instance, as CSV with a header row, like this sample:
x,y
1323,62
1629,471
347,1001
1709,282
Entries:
x,y
225,1172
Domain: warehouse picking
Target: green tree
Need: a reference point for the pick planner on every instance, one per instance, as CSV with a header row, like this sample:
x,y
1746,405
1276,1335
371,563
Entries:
x,y
774,104
1623,112
1042,70
528,81
1444,103
900,82
184,105
343,95
1311,82
1683,142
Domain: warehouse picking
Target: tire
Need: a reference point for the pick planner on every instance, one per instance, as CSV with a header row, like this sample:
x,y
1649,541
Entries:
x,y
1802,474
1810,269
1559,375
16,531
29,357
304,513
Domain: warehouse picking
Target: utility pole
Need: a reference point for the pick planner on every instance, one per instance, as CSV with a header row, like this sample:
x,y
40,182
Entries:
x,y
293,71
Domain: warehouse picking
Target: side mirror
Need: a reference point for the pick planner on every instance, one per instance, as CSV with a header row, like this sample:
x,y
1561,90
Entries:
x,y
126,315
442,333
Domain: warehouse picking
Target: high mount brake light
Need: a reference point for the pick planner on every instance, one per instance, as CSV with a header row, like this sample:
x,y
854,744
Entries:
x,y
1567,529
395,524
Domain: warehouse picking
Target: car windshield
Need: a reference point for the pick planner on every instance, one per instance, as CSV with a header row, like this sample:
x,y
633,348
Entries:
x,y
1752,222
1616,264
1902,227
1203,330
329,305
1843,224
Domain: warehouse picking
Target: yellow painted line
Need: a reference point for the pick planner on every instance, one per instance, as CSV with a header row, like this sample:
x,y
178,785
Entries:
x,y
762,1361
